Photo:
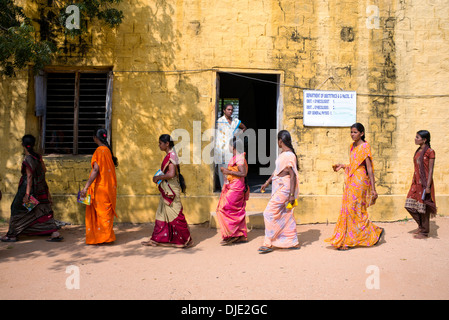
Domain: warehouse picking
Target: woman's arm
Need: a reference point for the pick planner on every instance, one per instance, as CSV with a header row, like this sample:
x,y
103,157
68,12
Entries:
x,y
339,166
241,173
242,126
170,174
430,177
92,177
266,184
26,198
369,167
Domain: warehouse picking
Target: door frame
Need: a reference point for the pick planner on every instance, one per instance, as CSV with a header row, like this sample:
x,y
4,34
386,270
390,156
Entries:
x,y
215,95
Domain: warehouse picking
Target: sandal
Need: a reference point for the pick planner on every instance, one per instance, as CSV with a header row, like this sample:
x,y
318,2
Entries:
x,y
55,239
242,239
229,241
189,244
149,243
263,250
8,239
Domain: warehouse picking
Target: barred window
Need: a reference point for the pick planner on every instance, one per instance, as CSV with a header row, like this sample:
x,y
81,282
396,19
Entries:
x,y
77,103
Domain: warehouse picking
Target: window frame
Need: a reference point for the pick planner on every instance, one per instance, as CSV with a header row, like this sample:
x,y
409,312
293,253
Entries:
x,y
77,71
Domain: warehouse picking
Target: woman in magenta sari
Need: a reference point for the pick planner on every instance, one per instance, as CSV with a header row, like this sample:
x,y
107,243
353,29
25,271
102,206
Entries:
x,y
231,213
171,227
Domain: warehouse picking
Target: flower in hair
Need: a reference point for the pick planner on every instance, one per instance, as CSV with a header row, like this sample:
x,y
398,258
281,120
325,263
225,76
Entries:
x,y
28,146
104,135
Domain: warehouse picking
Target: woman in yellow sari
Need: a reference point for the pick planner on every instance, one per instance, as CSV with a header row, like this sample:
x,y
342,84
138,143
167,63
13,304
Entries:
x,y
280,223
102,186
353,227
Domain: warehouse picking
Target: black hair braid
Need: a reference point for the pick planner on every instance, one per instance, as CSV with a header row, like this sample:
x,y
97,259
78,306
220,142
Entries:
x,y
424,134
28,142
102,135
286,138
167,138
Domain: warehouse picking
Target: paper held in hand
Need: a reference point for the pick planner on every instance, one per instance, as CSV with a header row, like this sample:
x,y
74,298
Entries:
x,y
159,173
32,202
84,200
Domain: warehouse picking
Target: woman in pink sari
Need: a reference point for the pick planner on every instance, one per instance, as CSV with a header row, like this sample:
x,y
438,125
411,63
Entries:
x,y
171,228
231,213
280,223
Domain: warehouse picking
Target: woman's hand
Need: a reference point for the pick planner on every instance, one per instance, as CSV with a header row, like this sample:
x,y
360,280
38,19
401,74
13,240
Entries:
x,y
263,187
374,197
83,192
337,167
26,198
427,190
156,179
291,199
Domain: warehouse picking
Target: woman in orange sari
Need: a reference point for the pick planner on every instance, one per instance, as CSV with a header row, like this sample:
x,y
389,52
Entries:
x,y
231,213
102,186
353,227
420,202
280,223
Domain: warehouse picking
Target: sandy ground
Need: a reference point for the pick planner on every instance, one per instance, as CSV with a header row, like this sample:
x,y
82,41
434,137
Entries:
x,y
400,267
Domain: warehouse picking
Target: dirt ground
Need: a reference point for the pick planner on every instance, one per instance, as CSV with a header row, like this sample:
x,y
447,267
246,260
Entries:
x,y
400,267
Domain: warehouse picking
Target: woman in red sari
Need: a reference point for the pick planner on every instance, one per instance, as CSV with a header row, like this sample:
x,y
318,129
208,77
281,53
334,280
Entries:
x,y
171,227
231,214
353,227
420,202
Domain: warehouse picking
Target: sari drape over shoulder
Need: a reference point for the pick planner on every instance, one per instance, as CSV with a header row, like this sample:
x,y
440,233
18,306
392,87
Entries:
x,y
101,212
40,220
353,227
231,214
170,226
280,223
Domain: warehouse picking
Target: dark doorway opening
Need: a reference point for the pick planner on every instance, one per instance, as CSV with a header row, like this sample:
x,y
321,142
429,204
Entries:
x,y
255,100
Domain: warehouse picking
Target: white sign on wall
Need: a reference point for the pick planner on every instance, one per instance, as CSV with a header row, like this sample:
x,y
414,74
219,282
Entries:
x,y
329,108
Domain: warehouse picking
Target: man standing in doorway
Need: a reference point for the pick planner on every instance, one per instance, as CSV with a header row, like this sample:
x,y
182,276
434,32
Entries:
x,y
226,128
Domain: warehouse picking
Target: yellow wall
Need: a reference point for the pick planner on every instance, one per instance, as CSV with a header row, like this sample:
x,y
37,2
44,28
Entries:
x,y
304,42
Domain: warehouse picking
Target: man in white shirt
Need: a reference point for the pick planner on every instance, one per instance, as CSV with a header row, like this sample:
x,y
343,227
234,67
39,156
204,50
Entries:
x,y
226,128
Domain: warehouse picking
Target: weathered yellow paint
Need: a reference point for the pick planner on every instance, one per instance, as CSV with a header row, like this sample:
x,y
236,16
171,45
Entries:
x,y
303,42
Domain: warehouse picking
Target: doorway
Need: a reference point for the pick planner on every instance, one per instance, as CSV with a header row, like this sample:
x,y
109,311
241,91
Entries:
x,y
255,100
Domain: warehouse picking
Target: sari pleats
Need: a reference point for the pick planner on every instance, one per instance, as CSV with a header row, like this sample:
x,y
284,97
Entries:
x,y
353,227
